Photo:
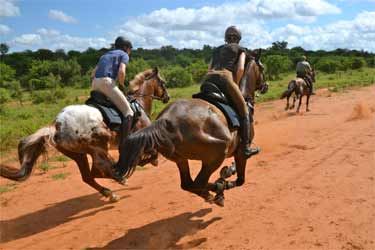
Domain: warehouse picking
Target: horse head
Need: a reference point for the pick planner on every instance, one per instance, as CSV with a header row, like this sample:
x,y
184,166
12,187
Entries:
x,y
159,86
254,77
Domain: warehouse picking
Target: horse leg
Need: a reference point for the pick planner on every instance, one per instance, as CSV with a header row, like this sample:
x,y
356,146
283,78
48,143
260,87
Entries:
x,y
201,186
84,168
307,103
287,102
294,102
186,180
299,103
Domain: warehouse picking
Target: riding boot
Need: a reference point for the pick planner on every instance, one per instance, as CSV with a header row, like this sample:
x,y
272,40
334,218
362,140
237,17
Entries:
x,y
244,133
126,126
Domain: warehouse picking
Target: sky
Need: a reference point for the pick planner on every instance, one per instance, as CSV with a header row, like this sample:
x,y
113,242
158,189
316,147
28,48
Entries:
x,y
80,24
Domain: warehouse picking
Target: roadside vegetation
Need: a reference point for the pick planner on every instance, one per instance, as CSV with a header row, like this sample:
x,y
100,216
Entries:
x,y
36,85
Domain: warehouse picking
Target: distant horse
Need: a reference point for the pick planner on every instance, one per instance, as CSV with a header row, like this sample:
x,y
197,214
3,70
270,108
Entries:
x,y
79,130
299,88
195,129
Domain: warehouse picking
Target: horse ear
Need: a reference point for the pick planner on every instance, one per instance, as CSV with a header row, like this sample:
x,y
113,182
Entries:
x,y
259,54
156,70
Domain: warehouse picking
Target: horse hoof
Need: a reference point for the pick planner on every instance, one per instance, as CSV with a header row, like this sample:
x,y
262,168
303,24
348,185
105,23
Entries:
x,y
307,110
219,200
209,198
114,198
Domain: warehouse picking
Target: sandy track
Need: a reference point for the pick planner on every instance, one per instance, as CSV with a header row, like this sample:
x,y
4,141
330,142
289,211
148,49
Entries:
x,y
312,187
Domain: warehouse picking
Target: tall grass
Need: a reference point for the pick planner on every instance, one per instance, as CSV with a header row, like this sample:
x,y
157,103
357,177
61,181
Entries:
x,y
17,121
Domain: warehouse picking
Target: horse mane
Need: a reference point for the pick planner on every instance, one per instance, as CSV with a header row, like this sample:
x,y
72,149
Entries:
x,y
138,80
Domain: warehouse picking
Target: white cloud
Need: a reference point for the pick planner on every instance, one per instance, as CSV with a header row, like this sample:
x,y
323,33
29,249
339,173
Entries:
x,y
184,27
48,32
4,29
358,33
53,39
8,8
61,16
28,39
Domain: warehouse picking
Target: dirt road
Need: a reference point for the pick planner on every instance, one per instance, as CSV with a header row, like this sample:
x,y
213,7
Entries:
x,y
312,187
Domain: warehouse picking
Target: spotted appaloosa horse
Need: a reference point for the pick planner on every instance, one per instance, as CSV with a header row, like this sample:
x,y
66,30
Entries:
x,y
195,129
79,130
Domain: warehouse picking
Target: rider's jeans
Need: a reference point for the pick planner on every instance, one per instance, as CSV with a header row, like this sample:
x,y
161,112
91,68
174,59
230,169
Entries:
x,y
108,87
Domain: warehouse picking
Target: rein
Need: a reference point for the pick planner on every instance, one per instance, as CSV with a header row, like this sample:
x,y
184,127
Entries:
x,y
152,96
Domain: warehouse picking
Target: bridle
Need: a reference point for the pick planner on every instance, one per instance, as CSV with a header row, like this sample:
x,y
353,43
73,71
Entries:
x,y
154,97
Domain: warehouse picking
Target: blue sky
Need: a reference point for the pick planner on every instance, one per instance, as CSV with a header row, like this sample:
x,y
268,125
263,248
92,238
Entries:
x,y
79,24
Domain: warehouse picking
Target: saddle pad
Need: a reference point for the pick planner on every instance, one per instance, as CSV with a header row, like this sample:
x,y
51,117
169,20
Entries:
x,y
228,111
111,115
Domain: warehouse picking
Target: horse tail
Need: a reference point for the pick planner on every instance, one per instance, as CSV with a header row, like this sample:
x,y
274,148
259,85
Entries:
x,y
29,149
158,137
291,86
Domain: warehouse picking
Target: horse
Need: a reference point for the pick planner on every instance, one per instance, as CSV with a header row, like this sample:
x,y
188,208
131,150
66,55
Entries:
x,y
300,88
196,129
79,130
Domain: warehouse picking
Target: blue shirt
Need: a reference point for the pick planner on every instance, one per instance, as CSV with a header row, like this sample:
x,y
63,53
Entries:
x,y
109,63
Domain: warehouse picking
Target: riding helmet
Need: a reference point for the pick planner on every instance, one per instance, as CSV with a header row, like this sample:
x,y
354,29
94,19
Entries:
x,y
122,42
233,31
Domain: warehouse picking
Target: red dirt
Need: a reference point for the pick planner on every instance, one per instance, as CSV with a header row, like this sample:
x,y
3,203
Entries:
x,y
312,187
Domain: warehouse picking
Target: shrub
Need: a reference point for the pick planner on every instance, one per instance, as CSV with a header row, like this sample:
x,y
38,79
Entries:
x,y
4,96
176,76
275,65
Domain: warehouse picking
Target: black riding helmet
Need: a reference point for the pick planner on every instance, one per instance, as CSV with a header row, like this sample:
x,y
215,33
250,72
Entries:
x,y
233,32
122,42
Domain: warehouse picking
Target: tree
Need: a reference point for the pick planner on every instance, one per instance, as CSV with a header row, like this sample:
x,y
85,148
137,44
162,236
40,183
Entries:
x,y
279,45
4,48
176,76
275,65
6,75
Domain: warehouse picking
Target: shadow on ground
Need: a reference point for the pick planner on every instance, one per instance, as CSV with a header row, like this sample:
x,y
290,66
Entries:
x,y
165,233
52,216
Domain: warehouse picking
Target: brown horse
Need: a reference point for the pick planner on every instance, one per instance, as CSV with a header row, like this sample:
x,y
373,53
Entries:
x,y
195,129
79,130
300,88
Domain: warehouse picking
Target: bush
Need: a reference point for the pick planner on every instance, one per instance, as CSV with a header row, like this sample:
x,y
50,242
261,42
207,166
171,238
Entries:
x,y
198,70
176,76
275,65
7,75
50,96
4,96
328,65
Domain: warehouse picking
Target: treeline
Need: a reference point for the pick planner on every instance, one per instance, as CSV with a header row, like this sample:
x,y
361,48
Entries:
x,y
46,69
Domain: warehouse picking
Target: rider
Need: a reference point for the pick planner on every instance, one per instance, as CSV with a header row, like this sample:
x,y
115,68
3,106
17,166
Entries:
x,y
227,67
304,70
112,67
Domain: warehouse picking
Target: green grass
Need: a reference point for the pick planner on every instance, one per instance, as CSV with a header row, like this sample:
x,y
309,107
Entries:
x,y
7,188
60,176
45,167
19,121
59,158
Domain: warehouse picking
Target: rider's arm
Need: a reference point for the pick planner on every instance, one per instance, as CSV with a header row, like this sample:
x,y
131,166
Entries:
x,y
121,75
240,67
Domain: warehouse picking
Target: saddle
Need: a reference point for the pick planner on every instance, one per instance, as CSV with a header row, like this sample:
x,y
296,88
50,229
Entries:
x,y
111,114
211,93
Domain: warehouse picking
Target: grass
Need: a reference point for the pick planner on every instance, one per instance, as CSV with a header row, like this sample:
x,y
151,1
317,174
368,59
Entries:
x,y
18,121
7,188
59,158
60,176
45,167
